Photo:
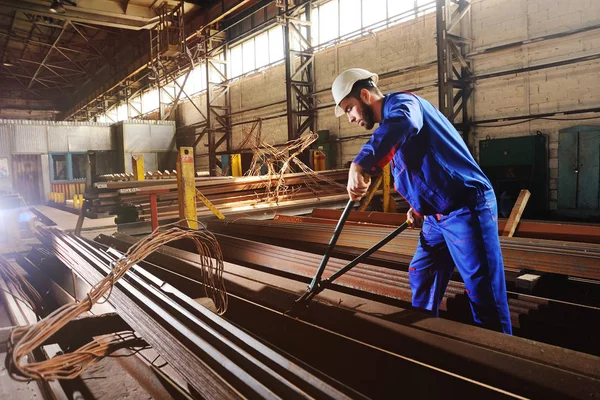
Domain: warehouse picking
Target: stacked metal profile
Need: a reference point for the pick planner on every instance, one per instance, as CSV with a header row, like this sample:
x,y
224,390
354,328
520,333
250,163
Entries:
x,y
272,277
369,349
223,192
580,260
216,358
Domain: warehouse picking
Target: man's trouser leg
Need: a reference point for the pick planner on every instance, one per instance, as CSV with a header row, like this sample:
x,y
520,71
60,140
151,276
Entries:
x,y
430,268
472,237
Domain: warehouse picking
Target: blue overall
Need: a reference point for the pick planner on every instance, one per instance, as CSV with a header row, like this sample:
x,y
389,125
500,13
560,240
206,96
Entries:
x,y
435,172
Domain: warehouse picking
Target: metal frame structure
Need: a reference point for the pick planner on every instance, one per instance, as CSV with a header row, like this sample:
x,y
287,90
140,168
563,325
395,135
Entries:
x,y
299,69
455,77
167,47
218,96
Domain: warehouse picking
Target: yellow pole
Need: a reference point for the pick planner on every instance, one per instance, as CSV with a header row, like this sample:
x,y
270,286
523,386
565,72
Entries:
x,y
236,165
137,164
186,185
386,188
371,193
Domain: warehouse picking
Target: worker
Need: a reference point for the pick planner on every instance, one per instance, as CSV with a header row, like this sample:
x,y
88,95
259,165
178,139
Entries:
x,y
446,190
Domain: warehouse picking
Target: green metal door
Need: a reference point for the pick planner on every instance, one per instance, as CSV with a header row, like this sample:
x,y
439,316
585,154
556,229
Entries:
x,y
589,170
567,169
579,169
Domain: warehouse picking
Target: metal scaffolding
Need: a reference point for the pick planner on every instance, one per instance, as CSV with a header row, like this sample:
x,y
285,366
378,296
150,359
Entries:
x,y
455,77
167,46
299,68
218,96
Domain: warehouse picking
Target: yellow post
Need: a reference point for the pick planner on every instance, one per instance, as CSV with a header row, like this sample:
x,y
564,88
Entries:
x,y
387,197
137,163
374,187
209,204
186,185
236,165
76,201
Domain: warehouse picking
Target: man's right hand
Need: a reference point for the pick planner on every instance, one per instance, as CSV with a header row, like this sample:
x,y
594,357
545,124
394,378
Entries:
x,y
414,220
358,182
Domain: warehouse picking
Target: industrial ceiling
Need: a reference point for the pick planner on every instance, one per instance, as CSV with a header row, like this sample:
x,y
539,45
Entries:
x,y
49,49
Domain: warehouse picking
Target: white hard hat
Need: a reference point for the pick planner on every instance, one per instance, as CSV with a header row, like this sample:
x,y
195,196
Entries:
x,y
342,86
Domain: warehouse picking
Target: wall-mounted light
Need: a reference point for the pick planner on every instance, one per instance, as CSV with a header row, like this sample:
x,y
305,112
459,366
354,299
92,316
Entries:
x,y
57,7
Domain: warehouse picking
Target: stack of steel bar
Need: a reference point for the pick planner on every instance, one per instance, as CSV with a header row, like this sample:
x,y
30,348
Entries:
x,y
553,230
216,358
223,192
394,350
533,317
580,260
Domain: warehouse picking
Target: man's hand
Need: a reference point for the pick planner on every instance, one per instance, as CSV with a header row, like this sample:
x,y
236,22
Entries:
x,y
414,220
358,182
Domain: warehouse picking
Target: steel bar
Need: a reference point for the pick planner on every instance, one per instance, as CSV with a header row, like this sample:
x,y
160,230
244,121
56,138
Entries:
x,y
218,341
565,231
533,315
492,358
578,260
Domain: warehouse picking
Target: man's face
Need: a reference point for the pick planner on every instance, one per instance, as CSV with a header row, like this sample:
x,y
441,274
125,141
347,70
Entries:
x,y
358,112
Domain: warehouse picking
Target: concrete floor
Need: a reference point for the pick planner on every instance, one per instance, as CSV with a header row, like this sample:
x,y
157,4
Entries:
x,y
11,389
67,221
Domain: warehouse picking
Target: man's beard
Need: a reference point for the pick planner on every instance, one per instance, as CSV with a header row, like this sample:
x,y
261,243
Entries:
x,y
367,115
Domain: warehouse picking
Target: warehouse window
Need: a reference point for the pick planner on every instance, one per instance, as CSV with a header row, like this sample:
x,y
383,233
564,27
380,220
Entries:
x,y
59,167
235,61
261,45
257,52
404,8
248,56
68,167
373,11
350,19
328,21
276,44
359,17
332,22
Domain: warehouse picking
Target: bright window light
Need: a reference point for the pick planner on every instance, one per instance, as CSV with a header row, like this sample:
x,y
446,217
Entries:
x,y
262,50
276,44
374,11
248,55
235,61
150,101
314,29
328,21
349,16
122,112
406,8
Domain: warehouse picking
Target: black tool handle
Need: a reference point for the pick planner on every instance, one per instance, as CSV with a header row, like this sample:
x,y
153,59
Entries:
x,y
332,242
366,254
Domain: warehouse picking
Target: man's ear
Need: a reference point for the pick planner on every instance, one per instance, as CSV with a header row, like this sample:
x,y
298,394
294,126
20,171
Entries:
x,y
365,96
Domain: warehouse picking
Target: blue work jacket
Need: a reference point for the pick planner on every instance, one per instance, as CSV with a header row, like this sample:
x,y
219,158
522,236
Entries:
x,y
431,164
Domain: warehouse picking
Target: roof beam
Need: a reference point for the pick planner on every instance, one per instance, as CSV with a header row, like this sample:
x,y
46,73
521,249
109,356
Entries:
x,y
104,13
64,28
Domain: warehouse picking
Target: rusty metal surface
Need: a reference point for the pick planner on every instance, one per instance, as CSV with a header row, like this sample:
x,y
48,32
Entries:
x,y
553,321
218,359
572,259
565,231
524,367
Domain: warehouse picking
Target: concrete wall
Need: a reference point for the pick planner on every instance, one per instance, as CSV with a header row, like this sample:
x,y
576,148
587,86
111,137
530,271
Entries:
x,y
494,23
563,88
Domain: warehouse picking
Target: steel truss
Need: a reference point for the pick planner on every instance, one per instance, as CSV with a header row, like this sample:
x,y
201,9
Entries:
x,y
299,68
455,77
218,96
